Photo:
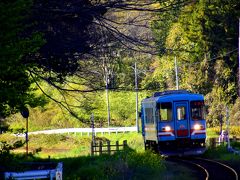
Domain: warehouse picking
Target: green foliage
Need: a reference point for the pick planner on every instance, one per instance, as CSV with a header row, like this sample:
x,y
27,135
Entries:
x,y
235,113
223,92
123,165
213,132
130,164
162,26
200,34
15,90
123,106
216,99
69,145
122,109
233,131
8,161
203,37
221,153
217,153
163,77
145,159
235,145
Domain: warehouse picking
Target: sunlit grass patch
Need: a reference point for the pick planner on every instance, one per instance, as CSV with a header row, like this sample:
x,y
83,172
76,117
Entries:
x,y
71,145
134,140
212,132
215,131
122,165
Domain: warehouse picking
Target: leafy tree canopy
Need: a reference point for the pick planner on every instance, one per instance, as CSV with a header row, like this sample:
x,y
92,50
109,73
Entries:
x,y
50,40
204,39
15,90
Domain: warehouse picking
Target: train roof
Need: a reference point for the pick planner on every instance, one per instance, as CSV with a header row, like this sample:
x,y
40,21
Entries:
x,y
173,95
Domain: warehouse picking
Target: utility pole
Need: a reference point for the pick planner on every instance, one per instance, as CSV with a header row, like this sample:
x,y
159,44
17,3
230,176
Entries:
x,y
176,72
239,59
107,97
136,89
93,143
228,128
93,128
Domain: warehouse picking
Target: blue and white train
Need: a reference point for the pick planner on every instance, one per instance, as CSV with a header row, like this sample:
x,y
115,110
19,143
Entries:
x,y
173,123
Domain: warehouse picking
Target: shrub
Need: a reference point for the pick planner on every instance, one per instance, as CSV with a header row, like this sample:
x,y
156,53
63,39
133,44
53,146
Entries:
x,y
122,165
235,113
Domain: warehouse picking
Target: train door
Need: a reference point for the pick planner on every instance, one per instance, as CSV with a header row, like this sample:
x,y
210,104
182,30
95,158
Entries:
x,y
150,125
181,117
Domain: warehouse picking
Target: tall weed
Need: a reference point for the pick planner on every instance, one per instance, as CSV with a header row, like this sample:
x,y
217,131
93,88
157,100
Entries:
x,y
122,165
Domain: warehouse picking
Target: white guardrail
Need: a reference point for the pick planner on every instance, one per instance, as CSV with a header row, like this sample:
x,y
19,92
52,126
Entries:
x,y
87,130
37,174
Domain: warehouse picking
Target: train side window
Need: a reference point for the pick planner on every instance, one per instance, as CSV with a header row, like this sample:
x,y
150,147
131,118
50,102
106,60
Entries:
x,y
149,119
165,111
181,113
197,110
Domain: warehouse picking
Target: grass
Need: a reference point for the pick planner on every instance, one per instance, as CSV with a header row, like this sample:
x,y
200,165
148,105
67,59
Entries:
x,y
236,145
122,165
135,163
62,146
220,153
212,133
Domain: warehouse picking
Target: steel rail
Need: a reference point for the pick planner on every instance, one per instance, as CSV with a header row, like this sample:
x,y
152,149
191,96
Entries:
x,y
204,170
226,166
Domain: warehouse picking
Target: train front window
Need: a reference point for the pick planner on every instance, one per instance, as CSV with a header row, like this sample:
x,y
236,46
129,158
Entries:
x,y
165,111
181,113
197,110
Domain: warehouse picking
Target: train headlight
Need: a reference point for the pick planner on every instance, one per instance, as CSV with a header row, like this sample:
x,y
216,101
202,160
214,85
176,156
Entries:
x,y
197,127
167,128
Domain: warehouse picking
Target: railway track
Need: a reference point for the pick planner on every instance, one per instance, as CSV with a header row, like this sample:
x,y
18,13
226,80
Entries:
x,y
207,169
